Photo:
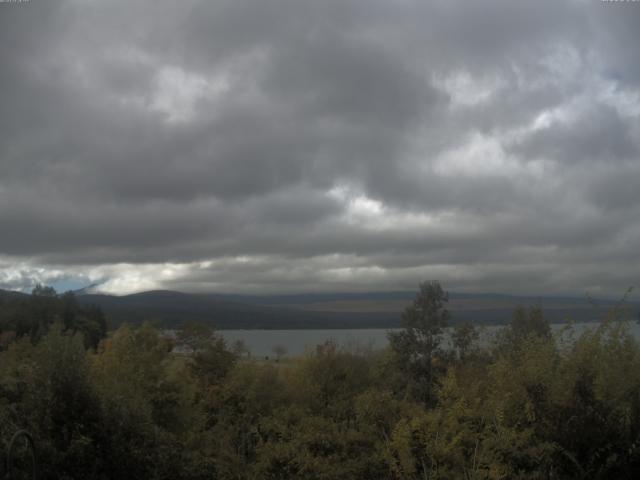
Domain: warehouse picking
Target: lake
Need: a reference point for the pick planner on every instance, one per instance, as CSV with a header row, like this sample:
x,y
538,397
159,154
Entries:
x,y
261,343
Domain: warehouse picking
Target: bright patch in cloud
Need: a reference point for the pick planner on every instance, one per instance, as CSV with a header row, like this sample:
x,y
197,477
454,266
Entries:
x,y
178,92
465,90
127,278
479,156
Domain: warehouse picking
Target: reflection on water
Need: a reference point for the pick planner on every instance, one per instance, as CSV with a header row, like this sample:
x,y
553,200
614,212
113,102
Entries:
x,y
296,342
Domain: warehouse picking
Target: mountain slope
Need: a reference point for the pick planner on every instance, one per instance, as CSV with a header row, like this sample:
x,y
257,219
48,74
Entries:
x,y
172,308
351,310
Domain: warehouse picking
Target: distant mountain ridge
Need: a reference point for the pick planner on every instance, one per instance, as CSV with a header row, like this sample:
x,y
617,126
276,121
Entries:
x,y
6,294
323,310
330,310
170,308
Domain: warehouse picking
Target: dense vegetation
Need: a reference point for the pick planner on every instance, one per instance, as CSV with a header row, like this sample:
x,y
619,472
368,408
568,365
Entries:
x,y
530,405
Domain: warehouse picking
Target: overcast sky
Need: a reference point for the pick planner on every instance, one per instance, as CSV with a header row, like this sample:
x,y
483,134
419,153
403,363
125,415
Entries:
x,y
320,145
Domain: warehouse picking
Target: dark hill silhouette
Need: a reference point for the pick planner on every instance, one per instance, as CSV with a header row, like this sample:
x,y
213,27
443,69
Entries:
x,y
327,310
10,294
170,309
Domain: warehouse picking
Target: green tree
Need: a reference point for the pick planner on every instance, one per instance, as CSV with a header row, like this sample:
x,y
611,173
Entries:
x,y
149,400
417,345
47,389
529,322
213,362
463,337
525,323
329,380
34,315
194,336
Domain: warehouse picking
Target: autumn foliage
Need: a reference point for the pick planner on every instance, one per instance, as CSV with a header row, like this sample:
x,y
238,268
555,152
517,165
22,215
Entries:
x,y
528,404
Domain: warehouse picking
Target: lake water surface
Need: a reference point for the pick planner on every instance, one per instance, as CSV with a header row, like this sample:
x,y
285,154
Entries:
x,y
263,342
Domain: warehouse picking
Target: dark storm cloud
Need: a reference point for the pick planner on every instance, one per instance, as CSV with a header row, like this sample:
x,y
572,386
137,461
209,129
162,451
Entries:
x,y
281,145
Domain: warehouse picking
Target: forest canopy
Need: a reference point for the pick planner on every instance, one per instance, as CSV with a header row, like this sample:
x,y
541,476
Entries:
x,y
532,403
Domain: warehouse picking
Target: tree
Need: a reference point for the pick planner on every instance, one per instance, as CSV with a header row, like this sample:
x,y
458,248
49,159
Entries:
x,y
526,323
212,362
34,315
43,311
47,389
463,337
44,291
92,323
418,343
279,351
529,323
194,336
148,406
240,349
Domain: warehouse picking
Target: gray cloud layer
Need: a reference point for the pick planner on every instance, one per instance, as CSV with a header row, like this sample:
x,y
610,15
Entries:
x,y
287,145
